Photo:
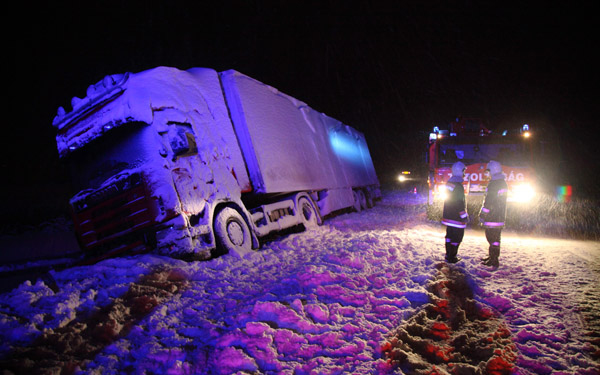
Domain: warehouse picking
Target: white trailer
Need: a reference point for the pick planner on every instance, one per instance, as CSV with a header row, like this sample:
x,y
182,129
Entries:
x,y
190,161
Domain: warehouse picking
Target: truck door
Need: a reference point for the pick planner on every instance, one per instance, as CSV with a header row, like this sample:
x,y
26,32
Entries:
x,y
193,179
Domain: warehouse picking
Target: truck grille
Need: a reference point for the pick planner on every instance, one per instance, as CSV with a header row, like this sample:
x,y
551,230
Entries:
x,y
114,216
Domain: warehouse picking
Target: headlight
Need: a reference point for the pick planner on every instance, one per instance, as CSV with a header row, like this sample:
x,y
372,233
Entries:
x,y
442,192
404,176
523,193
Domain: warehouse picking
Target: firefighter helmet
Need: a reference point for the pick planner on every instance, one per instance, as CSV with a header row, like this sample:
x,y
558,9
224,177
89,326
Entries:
x,y
494,167
458,169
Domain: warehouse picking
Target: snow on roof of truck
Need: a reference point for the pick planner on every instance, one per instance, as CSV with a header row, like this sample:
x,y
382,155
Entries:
x,y
133,97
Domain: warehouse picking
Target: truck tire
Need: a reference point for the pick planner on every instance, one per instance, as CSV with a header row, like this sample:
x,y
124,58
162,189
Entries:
x,y
369,199
232,232
363,200
359,200
308,213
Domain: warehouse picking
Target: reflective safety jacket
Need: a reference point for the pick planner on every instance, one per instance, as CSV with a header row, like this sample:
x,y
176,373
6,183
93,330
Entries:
x,y
493,212
455,208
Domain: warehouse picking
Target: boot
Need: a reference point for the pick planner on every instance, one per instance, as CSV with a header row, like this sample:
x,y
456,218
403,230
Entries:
x,y
494,255
487,258
448,250
451,251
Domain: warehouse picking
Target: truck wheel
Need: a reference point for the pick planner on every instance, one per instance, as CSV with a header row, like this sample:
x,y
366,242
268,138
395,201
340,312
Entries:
x,y
357,201
308,213
369,199
363,200
232,232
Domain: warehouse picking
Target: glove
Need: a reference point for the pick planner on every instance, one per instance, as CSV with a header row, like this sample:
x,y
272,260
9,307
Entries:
x,y
483,214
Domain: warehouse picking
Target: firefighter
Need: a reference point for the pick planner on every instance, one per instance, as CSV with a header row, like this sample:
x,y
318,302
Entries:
x,y
455,215
493,212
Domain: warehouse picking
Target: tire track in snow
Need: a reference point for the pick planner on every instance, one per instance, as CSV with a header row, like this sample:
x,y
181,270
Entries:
x,y
453,334
65,349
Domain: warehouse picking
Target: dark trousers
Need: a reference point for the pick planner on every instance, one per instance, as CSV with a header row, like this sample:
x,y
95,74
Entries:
x,y
454,235
493,236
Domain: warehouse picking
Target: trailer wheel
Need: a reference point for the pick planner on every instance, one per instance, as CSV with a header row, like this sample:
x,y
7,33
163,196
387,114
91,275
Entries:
x,y
308,213
362,199
369,199
359,199
232,232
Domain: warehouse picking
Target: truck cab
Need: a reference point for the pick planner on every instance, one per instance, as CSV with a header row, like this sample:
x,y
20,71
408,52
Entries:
x,y
144,165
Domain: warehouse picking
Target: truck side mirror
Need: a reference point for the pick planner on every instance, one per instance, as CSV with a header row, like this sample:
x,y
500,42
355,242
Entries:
x,y
182,141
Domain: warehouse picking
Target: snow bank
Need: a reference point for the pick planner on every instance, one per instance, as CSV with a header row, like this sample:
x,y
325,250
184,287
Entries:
x,y
365,293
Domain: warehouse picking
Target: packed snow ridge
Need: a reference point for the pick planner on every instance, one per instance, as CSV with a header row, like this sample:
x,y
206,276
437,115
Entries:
x,y
365,293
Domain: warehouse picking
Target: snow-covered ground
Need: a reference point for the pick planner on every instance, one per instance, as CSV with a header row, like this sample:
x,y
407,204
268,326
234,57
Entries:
x,y
366,293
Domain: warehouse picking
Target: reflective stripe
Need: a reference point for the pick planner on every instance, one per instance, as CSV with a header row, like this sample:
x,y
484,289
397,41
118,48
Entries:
x,y
495,243
448,240
493,224
485,210
455,243
463,214
454,223
450,187
502,191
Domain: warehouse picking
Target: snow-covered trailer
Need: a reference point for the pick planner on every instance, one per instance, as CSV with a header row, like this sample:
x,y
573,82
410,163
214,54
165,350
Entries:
x,y
190,161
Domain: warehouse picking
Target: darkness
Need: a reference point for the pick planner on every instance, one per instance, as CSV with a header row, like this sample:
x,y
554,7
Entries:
x,y
391,69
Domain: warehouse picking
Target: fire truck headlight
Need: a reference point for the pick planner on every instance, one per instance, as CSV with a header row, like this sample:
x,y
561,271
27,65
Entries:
x,y
443,193
523,193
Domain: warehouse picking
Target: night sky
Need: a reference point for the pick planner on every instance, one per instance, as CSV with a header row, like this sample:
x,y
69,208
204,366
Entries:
x,y
391,69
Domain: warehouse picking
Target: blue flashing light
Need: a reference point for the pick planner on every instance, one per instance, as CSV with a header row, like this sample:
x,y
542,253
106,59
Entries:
x,y
525,127
504,133
436,129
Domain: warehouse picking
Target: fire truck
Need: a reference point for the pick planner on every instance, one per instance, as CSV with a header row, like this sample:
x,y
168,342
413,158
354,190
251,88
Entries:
x,y
469,140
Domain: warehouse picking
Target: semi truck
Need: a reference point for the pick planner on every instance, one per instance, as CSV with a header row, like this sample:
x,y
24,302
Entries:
x,y
192,161
470,141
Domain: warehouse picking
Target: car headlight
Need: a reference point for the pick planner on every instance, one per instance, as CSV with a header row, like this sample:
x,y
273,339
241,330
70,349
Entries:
x,y
404,176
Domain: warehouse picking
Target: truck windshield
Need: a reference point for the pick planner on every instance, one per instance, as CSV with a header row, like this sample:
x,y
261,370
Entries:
x,y
510,154
126,147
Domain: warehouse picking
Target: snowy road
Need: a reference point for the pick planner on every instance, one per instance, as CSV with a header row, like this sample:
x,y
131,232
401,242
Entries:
x,y
366,293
